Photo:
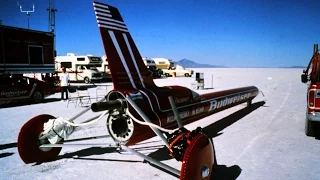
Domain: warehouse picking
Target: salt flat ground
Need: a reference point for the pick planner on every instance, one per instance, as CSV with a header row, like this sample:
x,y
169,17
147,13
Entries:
x,y
261,142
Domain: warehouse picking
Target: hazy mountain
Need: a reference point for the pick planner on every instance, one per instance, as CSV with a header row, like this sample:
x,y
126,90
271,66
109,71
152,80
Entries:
x,y
299,67
191,64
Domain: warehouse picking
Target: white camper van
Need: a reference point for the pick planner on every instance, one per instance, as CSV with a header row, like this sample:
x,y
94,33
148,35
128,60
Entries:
x,y
104,68
163,63
80,67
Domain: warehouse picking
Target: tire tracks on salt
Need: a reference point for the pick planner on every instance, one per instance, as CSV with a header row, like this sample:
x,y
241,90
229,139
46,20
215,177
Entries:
x,y
274,115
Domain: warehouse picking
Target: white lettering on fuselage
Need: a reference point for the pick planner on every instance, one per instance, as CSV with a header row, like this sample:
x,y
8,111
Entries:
x,y
12,93
181,100
197,110
214,104
182,115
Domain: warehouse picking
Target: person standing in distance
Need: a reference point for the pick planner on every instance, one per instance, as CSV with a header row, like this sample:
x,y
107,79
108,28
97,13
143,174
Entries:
x,y
64,83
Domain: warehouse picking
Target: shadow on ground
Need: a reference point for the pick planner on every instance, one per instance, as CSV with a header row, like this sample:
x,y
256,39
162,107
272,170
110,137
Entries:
x,y
2,155
87,152
28,102
7,146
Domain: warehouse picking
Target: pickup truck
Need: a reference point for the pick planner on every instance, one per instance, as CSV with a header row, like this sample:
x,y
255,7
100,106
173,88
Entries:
x,y
312,79
179,71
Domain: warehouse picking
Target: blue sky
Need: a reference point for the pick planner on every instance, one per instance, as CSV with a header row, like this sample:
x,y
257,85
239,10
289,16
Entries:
x,y
233,33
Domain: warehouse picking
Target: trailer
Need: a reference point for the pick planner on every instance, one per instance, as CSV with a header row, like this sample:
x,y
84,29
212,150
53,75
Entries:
x,y
26,51
163,63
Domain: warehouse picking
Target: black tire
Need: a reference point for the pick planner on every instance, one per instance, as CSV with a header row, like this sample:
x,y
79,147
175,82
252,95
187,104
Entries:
x,y
37,97
86,80
167,74
309,128
186,75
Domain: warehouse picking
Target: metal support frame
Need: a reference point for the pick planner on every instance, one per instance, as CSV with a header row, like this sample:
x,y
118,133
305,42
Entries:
x,y
145,118
175,111
153,161
72,119
116,145
77,145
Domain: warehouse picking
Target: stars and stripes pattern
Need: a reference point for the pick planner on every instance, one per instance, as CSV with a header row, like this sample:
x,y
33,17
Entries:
x,y
109,17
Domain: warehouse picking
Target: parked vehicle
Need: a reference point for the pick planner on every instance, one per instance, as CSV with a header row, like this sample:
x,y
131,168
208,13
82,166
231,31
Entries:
x,y
151,65
312,79
18,87
179,71
80,67
163,63
104,68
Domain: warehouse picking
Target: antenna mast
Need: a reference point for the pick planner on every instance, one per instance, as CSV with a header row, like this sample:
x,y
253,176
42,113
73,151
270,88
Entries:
x,y
52,17
52,21
28,13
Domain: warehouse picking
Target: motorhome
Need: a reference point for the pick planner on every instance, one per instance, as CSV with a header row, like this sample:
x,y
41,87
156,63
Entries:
x,y
104,68
80,67
151,65
163,63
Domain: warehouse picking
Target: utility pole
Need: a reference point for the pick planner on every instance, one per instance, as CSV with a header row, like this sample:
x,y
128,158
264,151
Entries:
x,y
28,13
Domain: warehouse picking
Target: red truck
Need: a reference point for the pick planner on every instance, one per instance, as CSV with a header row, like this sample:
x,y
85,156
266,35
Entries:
x,y
25,51
311,76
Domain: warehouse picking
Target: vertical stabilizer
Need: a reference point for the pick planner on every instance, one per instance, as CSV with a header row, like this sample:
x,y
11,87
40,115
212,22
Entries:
x,y
125,62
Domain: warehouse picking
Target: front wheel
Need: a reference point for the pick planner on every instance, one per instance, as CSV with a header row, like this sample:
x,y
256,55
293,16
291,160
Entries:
x,y
187,75
86,80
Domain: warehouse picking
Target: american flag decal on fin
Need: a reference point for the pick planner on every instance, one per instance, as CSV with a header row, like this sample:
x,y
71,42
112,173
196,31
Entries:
x,y
109,17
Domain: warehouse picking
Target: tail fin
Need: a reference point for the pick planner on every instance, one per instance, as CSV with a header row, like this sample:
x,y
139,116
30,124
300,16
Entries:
x,y
125,62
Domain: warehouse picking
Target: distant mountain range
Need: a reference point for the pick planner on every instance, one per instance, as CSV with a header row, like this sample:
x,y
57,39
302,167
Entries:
x,y
191,64
299,67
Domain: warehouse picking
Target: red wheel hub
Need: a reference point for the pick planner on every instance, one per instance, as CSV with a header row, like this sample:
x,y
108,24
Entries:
x,y
28,141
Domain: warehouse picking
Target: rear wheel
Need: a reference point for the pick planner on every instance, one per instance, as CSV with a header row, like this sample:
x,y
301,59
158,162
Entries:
x,y
86,80
186,75
309,128
37,97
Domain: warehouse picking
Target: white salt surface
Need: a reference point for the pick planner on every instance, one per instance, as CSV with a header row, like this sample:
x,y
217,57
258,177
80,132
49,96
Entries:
x,y
267,143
